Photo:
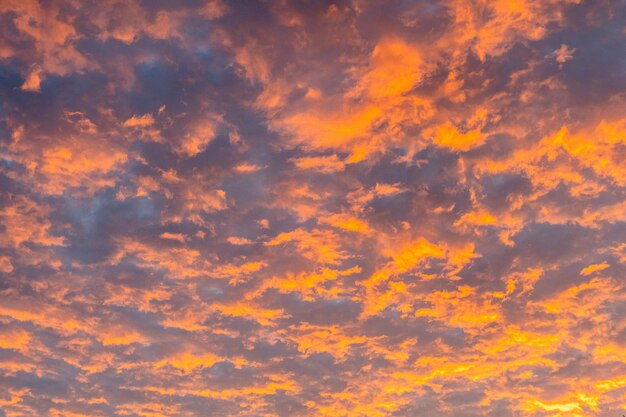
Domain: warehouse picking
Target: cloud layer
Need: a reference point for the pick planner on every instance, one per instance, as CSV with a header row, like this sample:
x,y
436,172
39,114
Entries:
x,y
350,208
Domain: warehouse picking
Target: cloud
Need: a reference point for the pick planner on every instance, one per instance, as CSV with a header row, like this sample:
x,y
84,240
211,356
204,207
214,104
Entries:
x,y
312,208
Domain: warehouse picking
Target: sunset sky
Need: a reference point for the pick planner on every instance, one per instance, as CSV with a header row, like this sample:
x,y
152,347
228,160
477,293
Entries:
x,y
312,208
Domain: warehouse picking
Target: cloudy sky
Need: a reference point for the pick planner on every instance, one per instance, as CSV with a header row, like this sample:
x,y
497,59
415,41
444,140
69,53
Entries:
x,y
312,208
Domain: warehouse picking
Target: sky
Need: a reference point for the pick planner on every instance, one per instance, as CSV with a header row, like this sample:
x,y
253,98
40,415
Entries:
x,y
312,208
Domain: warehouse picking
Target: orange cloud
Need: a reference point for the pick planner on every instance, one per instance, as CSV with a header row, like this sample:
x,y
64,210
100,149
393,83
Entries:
x,y
299,208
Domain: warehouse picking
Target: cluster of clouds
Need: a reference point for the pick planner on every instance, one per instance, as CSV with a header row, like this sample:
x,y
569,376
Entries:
x,y
328,208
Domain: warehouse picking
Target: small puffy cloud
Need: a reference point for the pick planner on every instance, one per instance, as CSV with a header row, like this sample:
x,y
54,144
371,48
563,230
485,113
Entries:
x,y
564,54
324,164
140,121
